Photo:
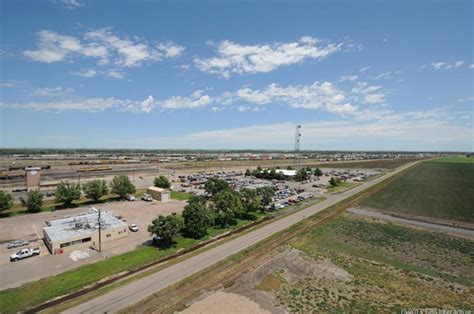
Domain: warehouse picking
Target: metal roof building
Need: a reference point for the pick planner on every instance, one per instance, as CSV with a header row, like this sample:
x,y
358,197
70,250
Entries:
x,y
287,173
81,231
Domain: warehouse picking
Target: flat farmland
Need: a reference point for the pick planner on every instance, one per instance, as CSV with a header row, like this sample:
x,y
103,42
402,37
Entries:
x,y
435,190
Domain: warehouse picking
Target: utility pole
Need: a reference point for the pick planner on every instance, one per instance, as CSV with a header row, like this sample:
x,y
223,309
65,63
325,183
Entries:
x,y
100,233
297,151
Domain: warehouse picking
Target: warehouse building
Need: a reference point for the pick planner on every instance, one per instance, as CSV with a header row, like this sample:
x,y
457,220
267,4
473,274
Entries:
x,y
82,231
159,194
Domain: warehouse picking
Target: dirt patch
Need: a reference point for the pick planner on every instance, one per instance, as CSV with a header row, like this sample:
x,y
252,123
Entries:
x,y
293,266
223,302
285,266
269,283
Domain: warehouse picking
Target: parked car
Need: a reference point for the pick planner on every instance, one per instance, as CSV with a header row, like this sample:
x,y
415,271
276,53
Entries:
x,y
24,253
17,243
130,197
133,227
147,197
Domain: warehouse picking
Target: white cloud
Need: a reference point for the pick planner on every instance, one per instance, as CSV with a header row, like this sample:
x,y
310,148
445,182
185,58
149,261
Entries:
x,y
371,94
319,95
364,69
196,100
52,91
89,104
437,66
471,66
217,109
466,99
233,58
101,45
72,4
344,78
384,75
374,98
86,73
132,52
115,74
7,85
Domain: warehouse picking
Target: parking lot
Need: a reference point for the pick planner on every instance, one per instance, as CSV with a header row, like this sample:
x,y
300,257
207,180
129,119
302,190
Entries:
x,y
30,228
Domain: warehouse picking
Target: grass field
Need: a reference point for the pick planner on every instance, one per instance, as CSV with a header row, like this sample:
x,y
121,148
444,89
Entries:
x,y
440,190
391,267
460,159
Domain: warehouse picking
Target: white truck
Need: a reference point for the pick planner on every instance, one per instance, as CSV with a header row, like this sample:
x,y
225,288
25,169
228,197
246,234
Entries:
x,y
24,253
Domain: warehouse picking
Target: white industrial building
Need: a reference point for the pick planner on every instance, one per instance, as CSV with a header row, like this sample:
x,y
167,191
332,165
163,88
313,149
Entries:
x,y
82,231
287,173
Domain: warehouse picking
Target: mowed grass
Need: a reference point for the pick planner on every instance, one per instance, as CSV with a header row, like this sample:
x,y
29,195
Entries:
x,y
180,196
437,190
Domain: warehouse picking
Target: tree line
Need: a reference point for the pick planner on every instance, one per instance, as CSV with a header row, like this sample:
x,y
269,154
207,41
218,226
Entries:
x,y
67,192
221,207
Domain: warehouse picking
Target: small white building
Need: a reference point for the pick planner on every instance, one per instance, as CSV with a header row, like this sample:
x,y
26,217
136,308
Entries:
x,y
287,173
159,194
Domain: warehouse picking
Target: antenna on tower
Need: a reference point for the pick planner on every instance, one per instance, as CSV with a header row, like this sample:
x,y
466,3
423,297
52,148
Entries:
x,y
297,146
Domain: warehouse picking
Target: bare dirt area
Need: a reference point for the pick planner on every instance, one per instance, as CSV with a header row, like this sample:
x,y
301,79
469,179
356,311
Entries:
x,y
30,227
223,302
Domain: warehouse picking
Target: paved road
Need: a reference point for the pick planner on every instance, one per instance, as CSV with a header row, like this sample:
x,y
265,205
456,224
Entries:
x,y
436,227
137,290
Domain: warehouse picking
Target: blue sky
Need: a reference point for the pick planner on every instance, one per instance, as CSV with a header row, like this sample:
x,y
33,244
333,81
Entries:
x,y
379,75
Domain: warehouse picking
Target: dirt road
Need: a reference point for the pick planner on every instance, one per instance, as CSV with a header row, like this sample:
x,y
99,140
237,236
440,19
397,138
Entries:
x,y
404,221
137,290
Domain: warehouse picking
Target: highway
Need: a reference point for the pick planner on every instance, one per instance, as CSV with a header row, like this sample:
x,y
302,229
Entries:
x,y
130,294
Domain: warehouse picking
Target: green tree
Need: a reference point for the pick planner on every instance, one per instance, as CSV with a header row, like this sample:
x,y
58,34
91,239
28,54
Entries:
x,y
33,202
250,200
95,189
215,185
197,218
334,182
289,168
227,206
318,172
6,201
162,182
248,173
301,175
121,185
67,192
166,228
266,194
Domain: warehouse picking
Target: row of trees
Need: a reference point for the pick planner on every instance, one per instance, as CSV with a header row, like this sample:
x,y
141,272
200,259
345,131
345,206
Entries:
x,y
221,208
67,192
